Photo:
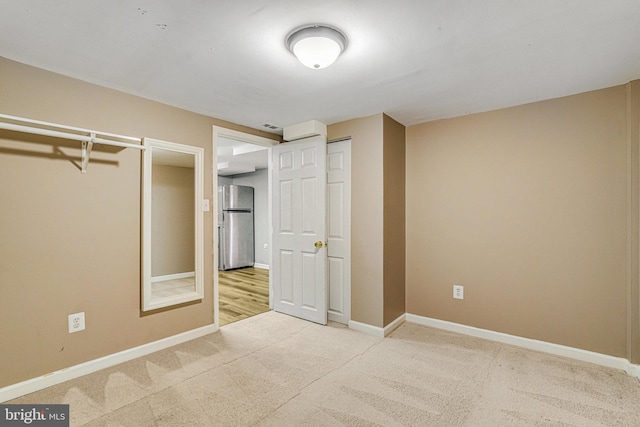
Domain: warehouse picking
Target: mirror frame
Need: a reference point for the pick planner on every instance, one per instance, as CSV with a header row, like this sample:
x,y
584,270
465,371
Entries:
x,y
148,303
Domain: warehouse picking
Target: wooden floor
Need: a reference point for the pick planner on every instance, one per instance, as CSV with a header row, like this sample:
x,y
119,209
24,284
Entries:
x,y
242,293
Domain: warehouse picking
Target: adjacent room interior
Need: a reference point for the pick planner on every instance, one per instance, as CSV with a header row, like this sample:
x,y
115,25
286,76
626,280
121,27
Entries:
x,y
243,245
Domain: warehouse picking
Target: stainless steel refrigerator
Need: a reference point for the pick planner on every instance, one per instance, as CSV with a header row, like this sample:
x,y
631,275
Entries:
x,y
235,227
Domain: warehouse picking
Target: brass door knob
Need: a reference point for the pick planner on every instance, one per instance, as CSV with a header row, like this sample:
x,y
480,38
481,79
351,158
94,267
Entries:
x,y
318,244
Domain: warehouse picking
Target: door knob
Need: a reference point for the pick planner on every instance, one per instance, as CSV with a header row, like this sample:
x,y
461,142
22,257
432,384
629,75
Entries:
x,y
318,244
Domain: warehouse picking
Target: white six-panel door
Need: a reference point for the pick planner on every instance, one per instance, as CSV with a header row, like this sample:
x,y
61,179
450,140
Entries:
x,y
298,268
339,230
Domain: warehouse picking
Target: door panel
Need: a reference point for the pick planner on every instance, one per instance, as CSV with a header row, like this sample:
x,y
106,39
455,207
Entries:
x,y
309,279
286,277
299,215
336,285
286,207
339,230
309,206
336,221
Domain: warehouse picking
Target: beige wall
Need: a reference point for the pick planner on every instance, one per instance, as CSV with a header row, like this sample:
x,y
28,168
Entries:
x,y
377,211
172,220
534,209
528,208
394,219
367,240
633,227
71,242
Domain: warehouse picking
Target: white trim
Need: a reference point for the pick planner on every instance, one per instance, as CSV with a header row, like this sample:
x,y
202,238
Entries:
x,y
377,331
262,266
29,386
395,324
149,301
173,276
531,344
215,208
270,223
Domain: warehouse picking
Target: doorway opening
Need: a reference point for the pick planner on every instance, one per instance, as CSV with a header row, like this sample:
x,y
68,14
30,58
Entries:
x,y
243,292
242,237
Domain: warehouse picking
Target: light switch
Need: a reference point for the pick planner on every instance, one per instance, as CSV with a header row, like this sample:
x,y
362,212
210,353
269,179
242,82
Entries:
x,y
205,205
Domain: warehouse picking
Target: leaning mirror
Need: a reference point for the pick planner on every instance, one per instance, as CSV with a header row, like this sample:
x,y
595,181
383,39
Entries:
x,y
172,224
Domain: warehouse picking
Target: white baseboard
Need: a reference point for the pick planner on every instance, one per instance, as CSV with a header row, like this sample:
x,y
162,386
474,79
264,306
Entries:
x,y
173,276
29,386
263,266
393,325
531,344
376,331
365,328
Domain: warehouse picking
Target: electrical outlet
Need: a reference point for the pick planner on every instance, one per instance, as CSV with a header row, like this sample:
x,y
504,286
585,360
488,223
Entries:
x,y
458,291
76,322
266,246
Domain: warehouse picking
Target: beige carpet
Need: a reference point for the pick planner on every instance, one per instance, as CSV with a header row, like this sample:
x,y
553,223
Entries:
x,y
275,370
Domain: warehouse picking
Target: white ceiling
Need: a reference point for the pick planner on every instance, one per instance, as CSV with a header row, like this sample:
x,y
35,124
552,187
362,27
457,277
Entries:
x,y
237,157
416,60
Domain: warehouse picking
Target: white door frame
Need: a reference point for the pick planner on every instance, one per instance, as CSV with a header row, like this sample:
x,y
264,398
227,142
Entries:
x,y
219,132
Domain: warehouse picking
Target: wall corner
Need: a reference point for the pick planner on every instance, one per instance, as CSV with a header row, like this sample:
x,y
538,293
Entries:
x,y
633,221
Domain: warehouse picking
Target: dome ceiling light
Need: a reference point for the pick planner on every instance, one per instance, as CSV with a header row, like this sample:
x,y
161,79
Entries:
x,y
316,46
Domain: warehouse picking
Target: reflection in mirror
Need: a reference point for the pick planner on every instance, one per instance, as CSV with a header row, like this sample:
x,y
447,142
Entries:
x,y
172,224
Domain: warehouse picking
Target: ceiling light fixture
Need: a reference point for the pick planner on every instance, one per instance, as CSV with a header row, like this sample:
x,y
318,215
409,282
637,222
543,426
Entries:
x,y
316,46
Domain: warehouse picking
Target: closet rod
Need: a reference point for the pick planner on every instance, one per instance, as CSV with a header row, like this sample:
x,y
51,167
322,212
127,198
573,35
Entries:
x,y
91,137
75,137
37,127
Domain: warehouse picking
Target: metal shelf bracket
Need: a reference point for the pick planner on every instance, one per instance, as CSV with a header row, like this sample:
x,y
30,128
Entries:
x,y
87,146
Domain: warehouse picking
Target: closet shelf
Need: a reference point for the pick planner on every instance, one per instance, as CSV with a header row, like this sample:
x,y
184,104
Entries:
x,y
85,136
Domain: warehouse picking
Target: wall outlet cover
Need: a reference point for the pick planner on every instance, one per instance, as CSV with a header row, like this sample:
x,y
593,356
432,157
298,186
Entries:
x,y
76,322
458,291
